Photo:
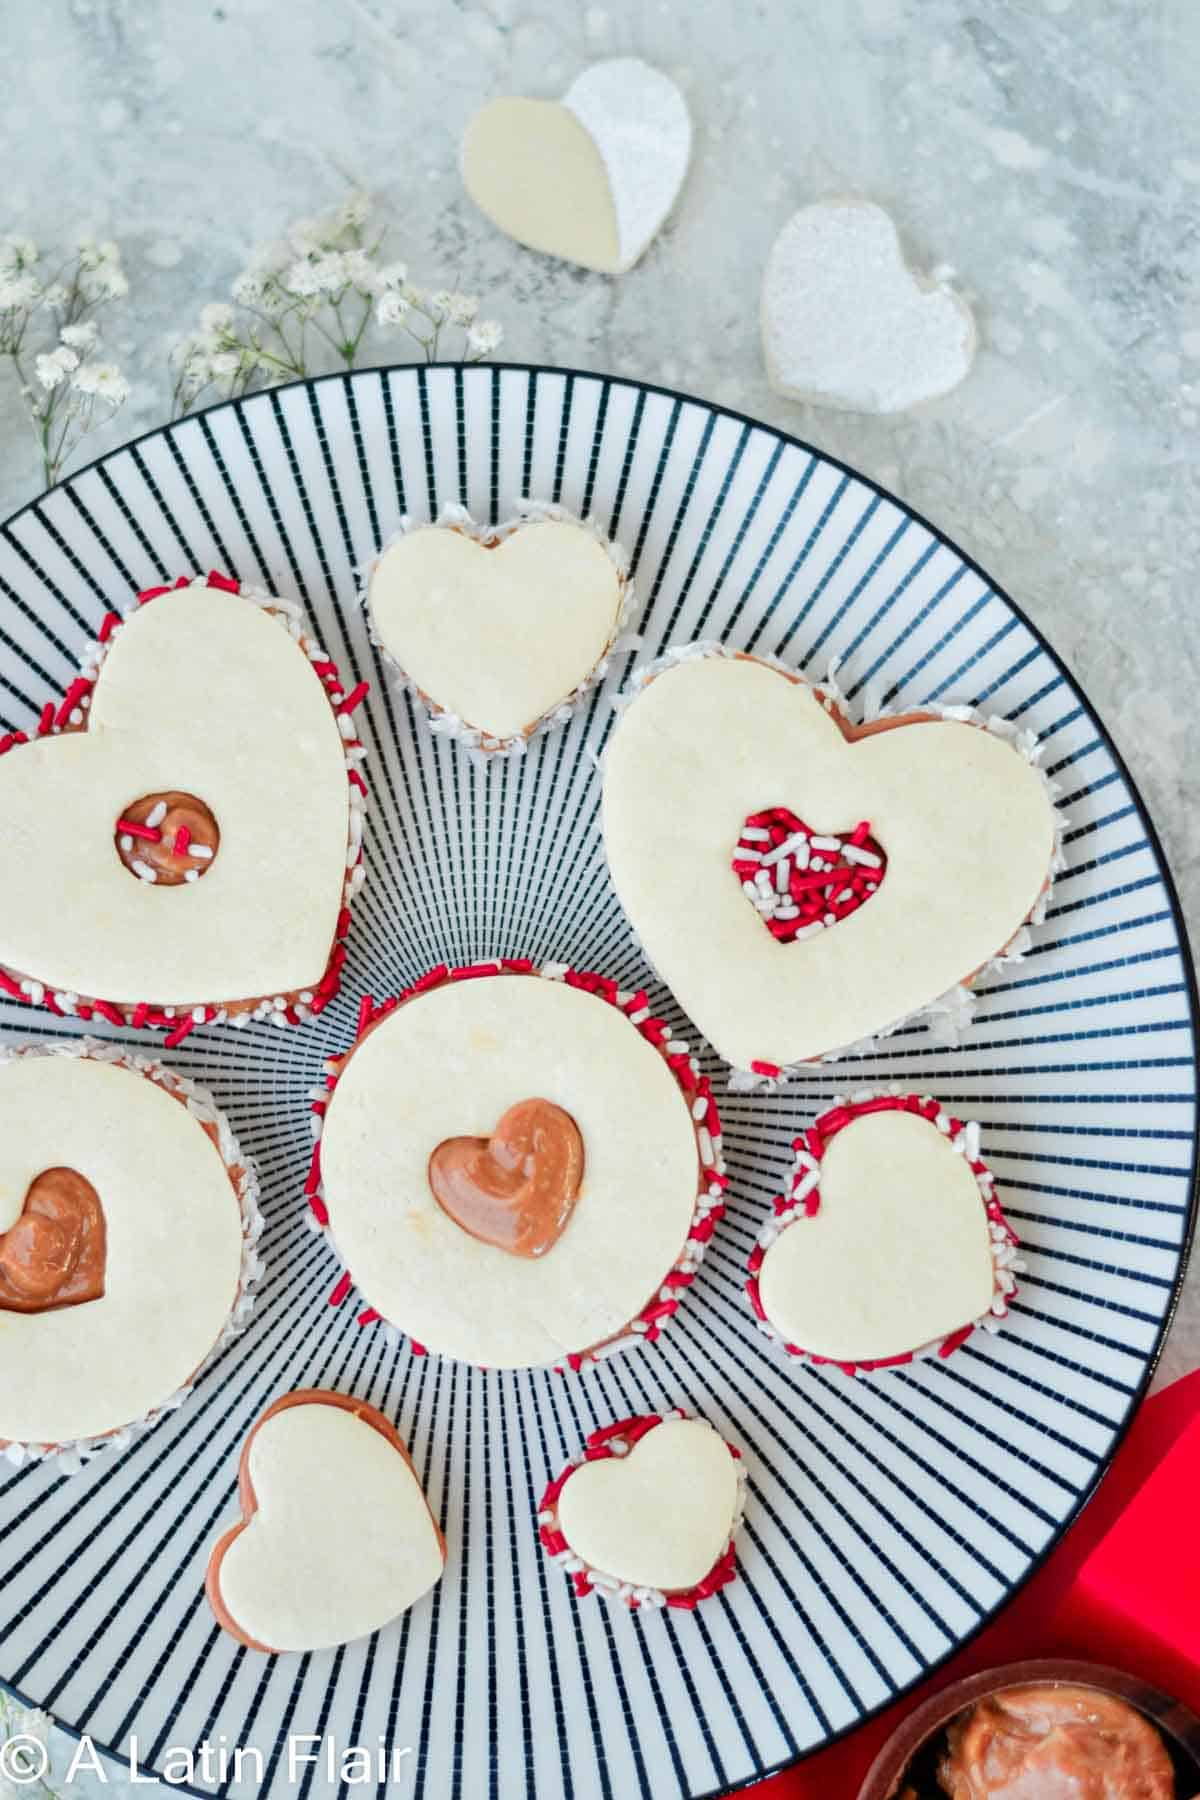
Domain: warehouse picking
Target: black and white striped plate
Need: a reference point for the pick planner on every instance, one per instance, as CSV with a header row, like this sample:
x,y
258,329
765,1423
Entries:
x,y
887,1517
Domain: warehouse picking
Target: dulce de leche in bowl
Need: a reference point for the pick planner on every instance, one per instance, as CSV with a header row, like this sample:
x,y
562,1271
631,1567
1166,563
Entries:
x,y
1048,1730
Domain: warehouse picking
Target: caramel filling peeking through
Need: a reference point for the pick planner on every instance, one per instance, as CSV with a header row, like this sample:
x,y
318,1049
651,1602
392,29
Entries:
x,y
167,839
53,1254
517,1189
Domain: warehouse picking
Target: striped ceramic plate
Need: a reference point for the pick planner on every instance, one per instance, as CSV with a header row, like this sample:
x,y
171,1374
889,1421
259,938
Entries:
x,y
887,1518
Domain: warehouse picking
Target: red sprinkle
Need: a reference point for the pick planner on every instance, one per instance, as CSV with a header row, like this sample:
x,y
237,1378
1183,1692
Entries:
x,y
340,1289
353,697
183,838
149,834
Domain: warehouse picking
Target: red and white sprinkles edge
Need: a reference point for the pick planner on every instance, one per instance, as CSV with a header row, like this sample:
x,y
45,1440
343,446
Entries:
x,y
70,714
528,512
697,1091
950,1013
71,1457
618,1439
803,1201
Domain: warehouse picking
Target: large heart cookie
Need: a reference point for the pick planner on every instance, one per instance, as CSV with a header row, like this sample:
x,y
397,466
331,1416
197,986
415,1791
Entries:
x,y
499,629
336,1538
557,1283
847,324
964,819
128,1224
647,1516
591,179
890,1241
182,837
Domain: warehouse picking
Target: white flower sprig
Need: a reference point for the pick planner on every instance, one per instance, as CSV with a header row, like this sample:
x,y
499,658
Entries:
x,y
309,301
47,317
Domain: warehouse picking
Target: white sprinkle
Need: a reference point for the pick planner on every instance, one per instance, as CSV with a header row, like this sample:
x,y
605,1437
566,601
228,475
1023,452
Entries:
x,y
750,889
762,879
346,725
807,931
699,1109
787,912
707,1153
846,894
191,875
756,834
826,843
199,1014
203,851
142,870
126,842
830,919
867,858
156,815
805,1186
745,855
791,846
638,1017
783,874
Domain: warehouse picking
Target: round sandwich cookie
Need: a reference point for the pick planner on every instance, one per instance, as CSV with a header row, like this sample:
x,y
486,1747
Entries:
x,y
647,1515
194,805
499,630
129,1223
890,1243
336,1538
803,883
517,1166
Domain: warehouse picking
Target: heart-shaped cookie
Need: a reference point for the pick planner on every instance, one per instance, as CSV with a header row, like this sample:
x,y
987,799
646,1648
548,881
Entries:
x,y
647,1516
964,818
846,323
183,836
460,1049
517,1188
891,1241
128,1228
498,629
53,1253
336,1538
590,179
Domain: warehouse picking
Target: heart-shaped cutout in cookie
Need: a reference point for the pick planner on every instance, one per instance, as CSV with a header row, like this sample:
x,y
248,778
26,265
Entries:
x,y
336,1538
53,1253
800,881
890,1242
208,714
648,1515
590,179
847,324
498,629
516,1189
966,820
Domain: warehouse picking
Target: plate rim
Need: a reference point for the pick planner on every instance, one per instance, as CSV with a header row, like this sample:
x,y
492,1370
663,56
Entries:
x,y
421,370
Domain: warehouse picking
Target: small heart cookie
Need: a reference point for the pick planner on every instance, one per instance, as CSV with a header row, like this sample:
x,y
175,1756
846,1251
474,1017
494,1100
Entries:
x,y
647,1516
961,819
847,324
499,629
890,1243
183,835
590,179
593,1245
336,1538
128,1228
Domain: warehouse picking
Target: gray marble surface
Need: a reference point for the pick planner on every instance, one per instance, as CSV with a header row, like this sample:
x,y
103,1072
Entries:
x,y
1046,149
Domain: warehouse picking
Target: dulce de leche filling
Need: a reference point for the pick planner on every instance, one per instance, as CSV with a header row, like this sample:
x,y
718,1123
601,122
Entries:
x,y
1055,1742
517,1189
168,838
53,1254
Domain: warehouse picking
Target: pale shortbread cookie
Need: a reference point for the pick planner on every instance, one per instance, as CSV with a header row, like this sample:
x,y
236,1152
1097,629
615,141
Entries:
x,y
966,823
898,1255
497,634
203,691
338,1540
659,1517
174,1249
590,179
847,324
449,1064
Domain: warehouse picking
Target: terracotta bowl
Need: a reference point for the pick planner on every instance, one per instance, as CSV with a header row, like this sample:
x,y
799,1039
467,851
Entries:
x,y
911,1749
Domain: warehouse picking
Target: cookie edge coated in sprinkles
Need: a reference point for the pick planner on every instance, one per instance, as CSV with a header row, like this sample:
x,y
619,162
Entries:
x,y
618,1439
70,715
483,748
803,1200
695,1088
70,1458
948,1015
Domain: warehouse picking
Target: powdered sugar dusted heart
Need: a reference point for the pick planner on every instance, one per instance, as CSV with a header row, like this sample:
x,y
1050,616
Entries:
x,y
846,323
336,1538
955,802
648,1514
208,696
499,629
591,179
890,1242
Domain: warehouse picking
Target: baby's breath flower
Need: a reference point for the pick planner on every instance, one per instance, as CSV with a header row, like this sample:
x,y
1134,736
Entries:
x,y
462,308
54,366
216,317
57,294
484,337
17,253
393,275
104,380
83,336
301,278
353,213
392,309
247,288
438,305
19,290
360,271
